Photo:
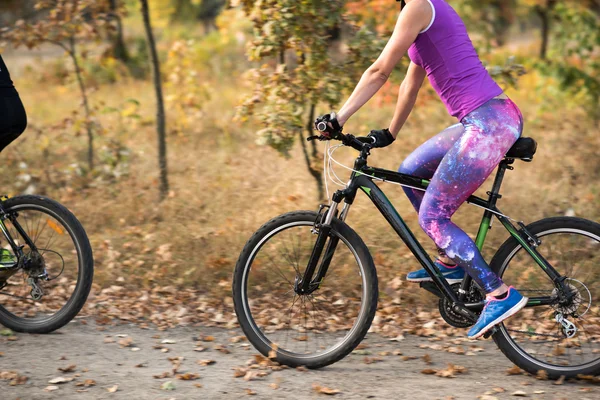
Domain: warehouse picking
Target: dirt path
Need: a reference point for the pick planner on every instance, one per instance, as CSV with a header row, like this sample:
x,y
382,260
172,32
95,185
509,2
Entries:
x,y
98,356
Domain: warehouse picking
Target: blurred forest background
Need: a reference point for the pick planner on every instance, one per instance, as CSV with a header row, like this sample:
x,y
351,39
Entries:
x,y
242,81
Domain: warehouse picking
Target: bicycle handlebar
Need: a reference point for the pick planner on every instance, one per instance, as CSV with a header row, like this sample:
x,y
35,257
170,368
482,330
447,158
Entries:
x,y
357,143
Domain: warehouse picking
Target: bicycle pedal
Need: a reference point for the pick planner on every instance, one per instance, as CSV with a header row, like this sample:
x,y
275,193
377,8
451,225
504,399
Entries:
x,y
490,332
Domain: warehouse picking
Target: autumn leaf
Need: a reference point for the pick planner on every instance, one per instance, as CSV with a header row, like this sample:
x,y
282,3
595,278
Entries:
x,y
239,372
188,376
59,380
112,389
206,362
250,392
168,385
70,368
514,370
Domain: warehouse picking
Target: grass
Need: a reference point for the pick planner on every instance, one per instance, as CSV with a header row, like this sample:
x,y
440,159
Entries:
x,y
224,186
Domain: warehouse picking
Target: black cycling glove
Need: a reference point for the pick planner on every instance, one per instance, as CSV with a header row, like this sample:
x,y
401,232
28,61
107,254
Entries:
x,y
381,138
328,125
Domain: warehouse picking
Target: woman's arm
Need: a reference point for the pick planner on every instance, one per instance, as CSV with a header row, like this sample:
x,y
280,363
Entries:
x,y
409,89
413,18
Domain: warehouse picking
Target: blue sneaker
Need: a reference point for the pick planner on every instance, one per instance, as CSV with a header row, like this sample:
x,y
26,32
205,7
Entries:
x,y
453,274
496,311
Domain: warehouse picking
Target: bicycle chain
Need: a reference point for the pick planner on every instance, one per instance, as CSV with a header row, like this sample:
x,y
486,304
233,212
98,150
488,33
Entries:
x,y
536,334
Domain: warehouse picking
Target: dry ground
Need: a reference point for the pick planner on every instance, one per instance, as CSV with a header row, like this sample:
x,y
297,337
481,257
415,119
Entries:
x,y
97,355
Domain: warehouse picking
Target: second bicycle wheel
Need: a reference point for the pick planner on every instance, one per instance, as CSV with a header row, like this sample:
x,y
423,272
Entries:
x,y
314,329
54,276
563,338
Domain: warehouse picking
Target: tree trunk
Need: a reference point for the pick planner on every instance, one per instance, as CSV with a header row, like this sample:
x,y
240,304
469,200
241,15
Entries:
x,y
160,107
86,107
118,43
315,173
544,13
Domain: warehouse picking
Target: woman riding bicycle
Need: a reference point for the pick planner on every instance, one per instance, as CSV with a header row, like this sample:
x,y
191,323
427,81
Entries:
x,y
13,122
459,159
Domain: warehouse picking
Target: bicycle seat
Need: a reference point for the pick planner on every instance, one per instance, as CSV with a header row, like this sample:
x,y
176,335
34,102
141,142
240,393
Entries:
x,y
523,149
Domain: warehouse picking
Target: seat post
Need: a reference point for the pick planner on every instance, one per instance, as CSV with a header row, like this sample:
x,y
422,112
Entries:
x,y
495,192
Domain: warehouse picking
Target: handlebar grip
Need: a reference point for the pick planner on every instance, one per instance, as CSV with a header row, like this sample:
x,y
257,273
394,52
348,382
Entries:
x,y
322,126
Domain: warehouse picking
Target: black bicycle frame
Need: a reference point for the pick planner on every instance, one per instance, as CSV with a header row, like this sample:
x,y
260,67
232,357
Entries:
x,y
363,178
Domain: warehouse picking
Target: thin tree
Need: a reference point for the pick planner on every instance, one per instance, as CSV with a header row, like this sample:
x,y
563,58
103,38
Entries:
x,y
118,43
160,106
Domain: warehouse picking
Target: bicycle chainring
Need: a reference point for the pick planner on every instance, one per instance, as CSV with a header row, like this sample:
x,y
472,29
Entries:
x,y
453,318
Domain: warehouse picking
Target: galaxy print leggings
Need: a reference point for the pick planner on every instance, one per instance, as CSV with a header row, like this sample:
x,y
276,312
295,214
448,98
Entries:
x,y
458,160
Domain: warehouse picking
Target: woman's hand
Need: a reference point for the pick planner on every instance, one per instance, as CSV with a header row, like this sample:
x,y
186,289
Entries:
x,y
328,125
381,138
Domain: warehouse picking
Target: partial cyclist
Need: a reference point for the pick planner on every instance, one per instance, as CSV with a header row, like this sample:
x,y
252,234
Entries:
x,y
459,159
13,121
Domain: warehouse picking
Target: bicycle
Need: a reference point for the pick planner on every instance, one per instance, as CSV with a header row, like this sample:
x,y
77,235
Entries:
x,y
290,291
53,265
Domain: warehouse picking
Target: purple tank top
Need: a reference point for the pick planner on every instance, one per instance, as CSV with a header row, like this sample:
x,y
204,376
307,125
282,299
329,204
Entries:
x,y
453,67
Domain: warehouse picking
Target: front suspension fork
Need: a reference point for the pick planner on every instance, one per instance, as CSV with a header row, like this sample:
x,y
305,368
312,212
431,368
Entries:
x,y
308,284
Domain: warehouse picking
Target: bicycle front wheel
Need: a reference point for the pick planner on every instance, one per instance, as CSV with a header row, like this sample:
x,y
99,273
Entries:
x,y
316,329
562,339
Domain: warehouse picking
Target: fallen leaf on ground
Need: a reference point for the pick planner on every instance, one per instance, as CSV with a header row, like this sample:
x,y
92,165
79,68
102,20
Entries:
x,y
168,385
237,339
188,376
250,392
168,341
222,348
560,380
429,371
86,383
274,386
239,372
51,388
427,359
206,362
542,375
125,342
325,390
70,368
164,375
60,379
113,389
207,338
514,370
519,393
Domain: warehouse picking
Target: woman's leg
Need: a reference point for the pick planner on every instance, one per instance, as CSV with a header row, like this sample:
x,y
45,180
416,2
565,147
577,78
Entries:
x,y
425,159
489,133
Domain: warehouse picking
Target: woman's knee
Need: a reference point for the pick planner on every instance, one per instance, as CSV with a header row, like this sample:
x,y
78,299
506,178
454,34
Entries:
x,y
406,168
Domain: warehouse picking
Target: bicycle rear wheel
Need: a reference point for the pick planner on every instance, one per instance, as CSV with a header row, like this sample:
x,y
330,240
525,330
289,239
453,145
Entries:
x,y
535,339
54,277
315,329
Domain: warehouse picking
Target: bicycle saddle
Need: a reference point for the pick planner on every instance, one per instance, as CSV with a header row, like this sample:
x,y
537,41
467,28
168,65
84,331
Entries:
x,y
523,149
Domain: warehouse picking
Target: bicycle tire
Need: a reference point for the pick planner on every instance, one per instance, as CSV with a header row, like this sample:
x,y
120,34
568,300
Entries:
x,y
500,264
247,322
85,267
